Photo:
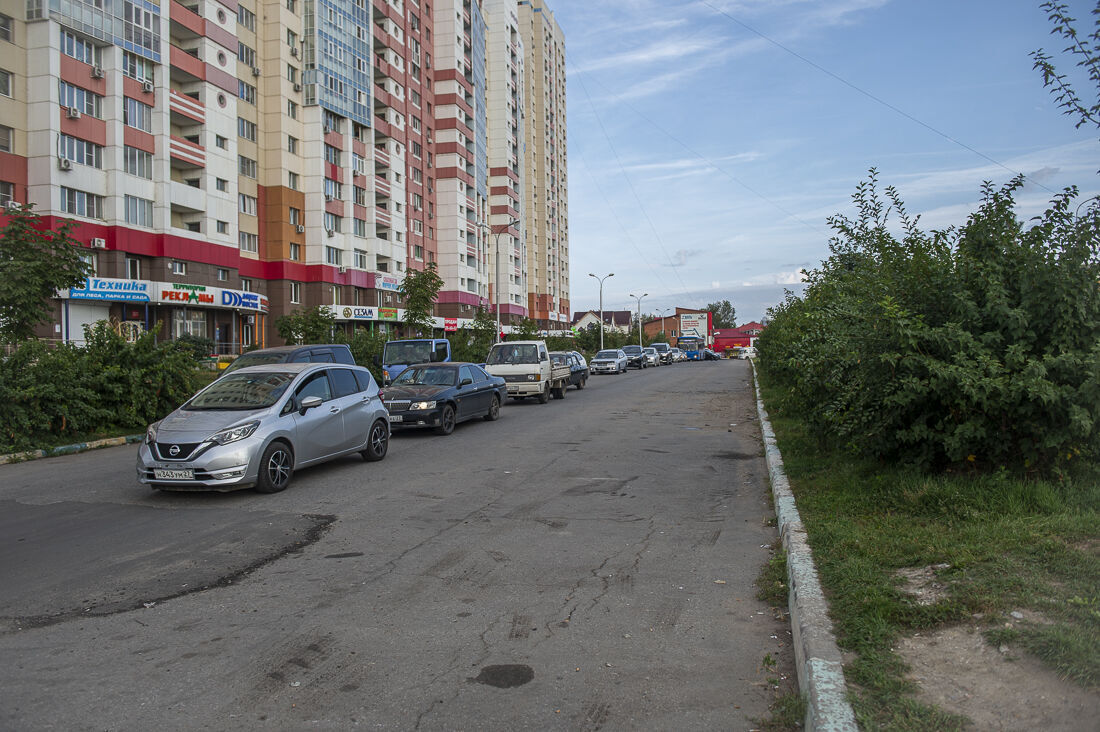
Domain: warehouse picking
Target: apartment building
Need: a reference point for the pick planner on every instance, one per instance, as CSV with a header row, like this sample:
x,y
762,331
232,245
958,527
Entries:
x,y
232,160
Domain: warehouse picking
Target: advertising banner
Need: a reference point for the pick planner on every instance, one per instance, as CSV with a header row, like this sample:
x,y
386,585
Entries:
x,y
693,324
104,288
450,325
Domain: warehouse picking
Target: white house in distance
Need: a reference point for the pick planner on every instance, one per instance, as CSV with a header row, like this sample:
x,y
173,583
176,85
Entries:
x,y
619,320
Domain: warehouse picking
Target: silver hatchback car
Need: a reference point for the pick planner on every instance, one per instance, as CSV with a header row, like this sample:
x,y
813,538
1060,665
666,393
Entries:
x,y
257,425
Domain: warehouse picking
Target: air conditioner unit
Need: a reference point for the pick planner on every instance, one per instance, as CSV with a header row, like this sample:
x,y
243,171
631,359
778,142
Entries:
x,y
328,196
330,232
251,319
356,173
326,129
72,113
294,51
342,270
11,204
64,164
255,70
97,72
98,243
300,229
147,87
297,87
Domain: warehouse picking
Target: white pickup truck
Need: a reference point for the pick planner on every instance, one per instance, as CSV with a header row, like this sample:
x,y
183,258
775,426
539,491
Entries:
x,y
527,370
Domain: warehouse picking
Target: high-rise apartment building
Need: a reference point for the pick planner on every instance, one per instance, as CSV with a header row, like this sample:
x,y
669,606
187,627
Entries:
x,y
232,160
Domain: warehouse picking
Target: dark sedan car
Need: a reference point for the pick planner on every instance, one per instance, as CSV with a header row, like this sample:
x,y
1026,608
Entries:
x,y
635,356
440,395
578,367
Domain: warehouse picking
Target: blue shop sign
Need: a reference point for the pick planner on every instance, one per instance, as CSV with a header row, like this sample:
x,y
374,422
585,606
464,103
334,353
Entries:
x,y
100,288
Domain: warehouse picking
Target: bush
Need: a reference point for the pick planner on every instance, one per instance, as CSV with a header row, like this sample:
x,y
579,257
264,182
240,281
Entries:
x,y
978,346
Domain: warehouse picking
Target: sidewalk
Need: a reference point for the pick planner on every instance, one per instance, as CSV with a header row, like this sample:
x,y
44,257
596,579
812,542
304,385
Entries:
x,y
18,457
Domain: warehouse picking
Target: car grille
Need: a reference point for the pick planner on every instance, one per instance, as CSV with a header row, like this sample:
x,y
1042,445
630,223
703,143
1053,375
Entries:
x,y
515,378
164,450
399,405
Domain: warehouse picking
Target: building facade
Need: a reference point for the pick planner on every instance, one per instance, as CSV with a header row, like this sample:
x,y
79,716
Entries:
x,y
230,161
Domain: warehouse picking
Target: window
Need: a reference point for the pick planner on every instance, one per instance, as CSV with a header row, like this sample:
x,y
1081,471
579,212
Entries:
x,y
5,28
223,275
295,216
418,252
291,38
334,189
5,83
246,166
133,268
80,151
291,109
7,139
332,155
136,67
417,150
90,259
360,227
292,144
246,284
333,222
246,92
137,115
246,55
295,252
296,292
222,142
178,268
139,211
221,184
223,227
248,243
246,129
81,203
81,99
360,259
292,180
332,256
7,192
292,5
359,195
291,74
246,18
138,162
248,204
189,322
78,48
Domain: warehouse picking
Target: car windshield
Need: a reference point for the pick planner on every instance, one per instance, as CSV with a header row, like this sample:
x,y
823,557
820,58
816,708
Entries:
x,y
632,349
242,391
407,352
608,354
426,375
256,359
504,353
559,358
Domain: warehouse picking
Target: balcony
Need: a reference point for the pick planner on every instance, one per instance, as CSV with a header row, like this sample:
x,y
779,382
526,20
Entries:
x,y
189,107
186,153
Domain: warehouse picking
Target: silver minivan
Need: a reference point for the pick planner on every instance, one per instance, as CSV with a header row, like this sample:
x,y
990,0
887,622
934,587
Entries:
x,y
257,425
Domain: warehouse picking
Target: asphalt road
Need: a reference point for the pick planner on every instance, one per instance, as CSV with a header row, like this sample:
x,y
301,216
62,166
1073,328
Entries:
x,y
580,565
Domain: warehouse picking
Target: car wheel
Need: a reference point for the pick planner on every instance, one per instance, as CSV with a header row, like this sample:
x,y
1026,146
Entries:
x,y
378,442
446,421
559,392
276,468
544,395
580,384
494,410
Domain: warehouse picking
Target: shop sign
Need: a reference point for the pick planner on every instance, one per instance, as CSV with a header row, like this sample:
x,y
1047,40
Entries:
x,y
693,324
189,294
450,325
387,313
384,282
102,288
242,299
350,313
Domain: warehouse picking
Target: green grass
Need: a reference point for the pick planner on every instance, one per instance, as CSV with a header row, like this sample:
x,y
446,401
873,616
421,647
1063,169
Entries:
x,y
1011,544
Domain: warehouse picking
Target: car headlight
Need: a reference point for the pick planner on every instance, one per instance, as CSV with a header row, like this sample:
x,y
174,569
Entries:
x,y
151,433
533,377
422,405
234,433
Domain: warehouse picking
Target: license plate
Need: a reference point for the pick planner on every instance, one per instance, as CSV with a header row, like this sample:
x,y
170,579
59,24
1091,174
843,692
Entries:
x,y
181,474
395,417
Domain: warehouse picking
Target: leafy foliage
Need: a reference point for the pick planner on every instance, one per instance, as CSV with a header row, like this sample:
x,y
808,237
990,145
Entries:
x,y
199,346
473,343
34,264
1087,53
365,345
979,346
306,325
419,289
724,314
68,390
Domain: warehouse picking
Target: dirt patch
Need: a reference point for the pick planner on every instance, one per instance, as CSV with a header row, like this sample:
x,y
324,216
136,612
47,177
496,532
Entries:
x,y
922,584
998,689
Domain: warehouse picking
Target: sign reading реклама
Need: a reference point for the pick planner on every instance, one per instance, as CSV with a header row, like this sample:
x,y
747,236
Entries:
x,y
104,288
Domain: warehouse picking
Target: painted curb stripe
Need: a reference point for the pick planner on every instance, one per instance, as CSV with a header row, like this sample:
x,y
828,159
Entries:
x,y
17,457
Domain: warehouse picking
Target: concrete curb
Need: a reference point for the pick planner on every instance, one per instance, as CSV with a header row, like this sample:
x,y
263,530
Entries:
x,y
18,457
817,658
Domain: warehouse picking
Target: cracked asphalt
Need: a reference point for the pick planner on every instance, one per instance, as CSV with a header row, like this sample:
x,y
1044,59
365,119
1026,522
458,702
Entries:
x,y
585,564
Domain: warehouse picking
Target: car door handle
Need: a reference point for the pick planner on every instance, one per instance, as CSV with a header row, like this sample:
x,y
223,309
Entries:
x,y
334,410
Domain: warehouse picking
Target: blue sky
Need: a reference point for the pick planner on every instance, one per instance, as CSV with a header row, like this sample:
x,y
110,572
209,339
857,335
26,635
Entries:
x,y
704,158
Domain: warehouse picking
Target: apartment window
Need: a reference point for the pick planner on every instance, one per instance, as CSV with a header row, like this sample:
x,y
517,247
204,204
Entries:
x,y
248,243
332,256
139,211
291,109
245,54
80,151
417,150
246,18
332,155
81,203
133,268
138,162
178,268
292,5
5,28
222,142
137,115
246,92
418,252
246,166
418,226
295,252
223,275
7,192
360,259
296,292
246,284
136,67
223,227
246,129
81,99
415,121
418,202
7,139
359,195
90,259
334,190
248,204
5,83
291,38
292,145
414,97
418,175
333,222
332,121
295,216
292,180
360,227
221,184
73,45
291,74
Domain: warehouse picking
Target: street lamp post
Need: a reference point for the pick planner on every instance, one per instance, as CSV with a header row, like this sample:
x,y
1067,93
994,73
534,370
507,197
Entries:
x,y
496,264
662,311
639,299
601,279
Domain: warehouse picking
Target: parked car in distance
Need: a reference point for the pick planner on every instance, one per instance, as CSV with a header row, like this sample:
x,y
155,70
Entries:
x,y
398,355
260,424
634,356
709,355
326,353
608,361
440,395
652,358
747,352
663,350
676,355
527,369
578,367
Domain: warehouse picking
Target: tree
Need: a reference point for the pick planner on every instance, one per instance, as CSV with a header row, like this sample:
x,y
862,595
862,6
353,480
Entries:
x,y
306,325
1087,53
35,263
724,315
419,289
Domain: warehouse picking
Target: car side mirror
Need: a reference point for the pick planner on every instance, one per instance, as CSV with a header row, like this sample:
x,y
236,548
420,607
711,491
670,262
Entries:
x,y
466,381
309,403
